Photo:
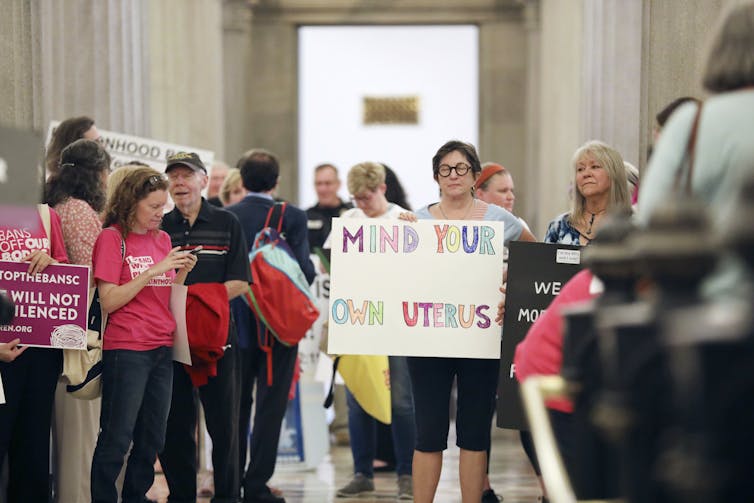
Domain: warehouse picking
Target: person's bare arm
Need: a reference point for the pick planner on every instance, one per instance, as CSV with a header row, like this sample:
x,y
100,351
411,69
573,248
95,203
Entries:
x,y
9,351
501,308
235,287
112,297
526,235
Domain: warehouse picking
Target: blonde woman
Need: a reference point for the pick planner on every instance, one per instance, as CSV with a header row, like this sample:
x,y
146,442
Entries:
x,y
232,189
599,185
116,176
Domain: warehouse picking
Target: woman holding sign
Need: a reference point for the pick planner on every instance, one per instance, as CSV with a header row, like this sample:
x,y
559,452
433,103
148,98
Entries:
x,y
366,183
456,167
29,375
77,192
134,267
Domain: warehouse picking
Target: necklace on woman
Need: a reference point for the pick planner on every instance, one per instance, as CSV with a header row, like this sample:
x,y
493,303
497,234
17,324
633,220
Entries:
x,y
591,221
468,210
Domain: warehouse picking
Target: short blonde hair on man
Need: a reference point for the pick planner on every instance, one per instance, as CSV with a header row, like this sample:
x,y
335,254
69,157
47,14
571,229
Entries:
x,y
365,176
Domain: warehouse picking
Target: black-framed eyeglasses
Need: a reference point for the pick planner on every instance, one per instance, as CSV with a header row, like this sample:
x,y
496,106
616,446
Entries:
x,y
461,169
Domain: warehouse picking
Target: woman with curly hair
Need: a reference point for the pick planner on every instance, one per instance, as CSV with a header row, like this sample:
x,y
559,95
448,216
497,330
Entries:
x,y
135,267
77,193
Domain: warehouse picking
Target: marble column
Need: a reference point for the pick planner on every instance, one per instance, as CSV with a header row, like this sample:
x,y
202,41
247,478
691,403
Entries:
x,y
531,175
186,73
676,35
502,98
272,93
560,128
62,59
611,84
238,72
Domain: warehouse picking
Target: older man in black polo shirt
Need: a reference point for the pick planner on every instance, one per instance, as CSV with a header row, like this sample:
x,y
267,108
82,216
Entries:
x,y
223,258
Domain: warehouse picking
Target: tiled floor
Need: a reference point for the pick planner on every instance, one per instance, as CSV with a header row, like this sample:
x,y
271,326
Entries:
x,y
510,474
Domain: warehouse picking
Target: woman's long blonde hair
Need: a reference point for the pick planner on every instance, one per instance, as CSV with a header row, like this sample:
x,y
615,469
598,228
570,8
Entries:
x,y
612,162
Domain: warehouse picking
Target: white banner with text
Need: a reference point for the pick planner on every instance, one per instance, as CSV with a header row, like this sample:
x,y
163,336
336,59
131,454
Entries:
x,y
427,288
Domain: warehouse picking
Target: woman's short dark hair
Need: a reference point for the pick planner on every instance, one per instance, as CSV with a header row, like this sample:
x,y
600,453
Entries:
x,y
259,170
66,133
730,58
83,165
468,151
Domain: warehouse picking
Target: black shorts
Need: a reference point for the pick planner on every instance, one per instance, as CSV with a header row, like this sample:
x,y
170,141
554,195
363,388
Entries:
x,y
432,379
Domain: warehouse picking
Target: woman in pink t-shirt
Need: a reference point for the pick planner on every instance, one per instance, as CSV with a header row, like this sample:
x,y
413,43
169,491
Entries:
x,y
135,267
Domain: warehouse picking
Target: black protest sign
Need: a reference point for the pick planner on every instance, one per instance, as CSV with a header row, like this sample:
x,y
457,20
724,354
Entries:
x,y
536,273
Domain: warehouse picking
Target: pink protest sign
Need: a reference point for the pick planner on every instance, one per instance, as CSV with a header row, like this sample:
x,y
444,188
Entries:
x,y
51,307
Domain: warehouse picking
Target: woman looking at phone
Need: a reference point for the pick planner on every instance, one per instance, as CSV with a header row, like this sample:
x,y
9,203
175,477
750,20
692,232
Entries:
x,y
135,267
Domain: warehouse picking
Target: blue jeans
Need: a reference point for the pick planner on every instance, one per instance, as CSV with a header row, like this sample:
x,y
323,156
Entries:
x,y
363,428
136,391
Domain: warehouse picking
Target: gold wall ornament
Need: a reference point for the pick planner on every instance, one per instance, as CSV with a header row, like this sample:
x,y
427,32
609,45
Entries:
x,y
391,110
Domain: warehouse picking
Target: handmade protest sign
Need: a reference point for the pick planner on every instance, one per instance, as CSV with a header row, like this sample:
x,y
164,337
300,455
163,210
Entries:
x,y
51,306
427,288
536,273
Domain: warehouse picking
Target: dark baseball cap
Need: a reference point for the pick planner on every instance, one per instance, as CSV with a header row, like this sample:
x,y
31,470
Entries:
x,y
188,159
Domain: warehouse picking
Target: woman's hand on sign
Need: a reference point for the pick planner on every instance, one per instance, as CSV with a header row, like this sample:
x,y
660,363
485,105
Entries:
x,y
407,216
38,261
9,351
501,308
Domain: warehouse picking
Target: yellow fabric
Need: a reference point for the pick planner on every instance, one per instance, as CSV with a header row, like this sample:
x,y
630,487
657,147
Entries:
x,y
368,379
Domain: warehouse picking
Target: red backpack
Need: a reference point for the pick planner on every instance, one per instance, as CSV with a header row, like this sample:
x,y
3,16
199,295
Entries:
x,y
279,294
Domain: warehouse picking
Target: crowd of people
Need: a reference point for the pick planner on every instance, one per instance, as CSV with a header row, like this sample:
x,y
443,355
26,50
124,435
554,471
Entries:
x,y
141,257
